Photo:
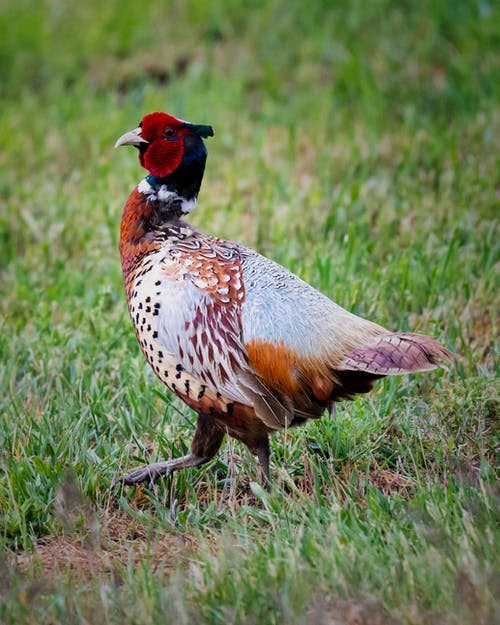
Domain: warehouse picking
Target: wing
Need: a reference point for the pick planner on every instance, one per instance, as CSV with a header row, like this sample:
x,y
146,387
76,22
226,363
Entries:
x,y
296,337
280,308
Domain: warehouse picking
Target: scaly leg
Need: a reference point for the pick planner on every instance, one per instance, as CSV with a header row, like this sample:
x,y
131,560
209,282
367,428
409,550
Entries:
x,y
206,443
263,453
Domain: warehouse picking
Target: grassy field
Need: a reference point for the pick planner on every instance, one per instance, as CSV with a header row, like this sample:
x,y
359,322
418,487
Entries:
x,y
357,143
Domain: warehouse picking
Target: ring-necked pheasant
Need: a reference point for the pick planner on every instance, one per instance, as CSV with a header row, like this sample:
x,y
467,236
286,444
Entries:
x,y
248,345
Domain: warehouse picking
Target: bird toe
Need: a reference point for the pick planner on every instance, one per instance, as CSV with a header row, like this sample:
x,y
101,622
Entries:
x,y
149,473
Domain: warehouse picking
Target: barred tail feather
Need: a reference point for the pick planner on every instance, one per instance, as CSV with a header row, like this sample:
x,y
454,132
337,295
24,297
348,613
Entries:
x,y
396,354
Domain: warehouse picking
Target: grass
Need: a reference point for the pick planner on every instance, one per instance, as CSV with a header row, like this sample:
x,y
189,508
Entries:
x,y
356,143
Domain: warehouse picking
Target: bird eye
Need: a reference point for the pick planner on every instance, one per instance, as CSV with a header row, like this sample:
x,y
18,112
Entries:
x,y
169,132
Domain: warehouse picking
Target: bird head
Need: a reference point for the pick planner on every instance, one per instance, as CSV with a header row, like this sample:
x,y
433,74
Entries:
x,y
164,142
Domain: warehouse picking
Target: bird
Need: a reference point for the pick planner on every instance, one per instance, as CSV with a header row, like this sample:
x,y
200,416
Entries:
x,y
245,343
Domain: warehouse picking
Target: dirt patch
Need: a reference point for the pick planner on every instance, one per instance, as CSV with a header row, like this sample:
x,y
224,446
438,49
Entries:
x,y
112,543
390,482
97,541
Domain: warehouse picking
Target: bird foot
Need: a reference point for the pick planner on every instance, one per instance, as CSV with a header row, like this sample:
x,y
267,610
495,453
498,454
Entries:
x,y
150,472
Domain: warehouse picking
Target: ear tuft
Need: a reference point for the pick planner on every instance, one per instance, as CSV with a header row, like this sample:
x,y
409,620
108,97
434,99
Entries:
x,y
199,129
205,131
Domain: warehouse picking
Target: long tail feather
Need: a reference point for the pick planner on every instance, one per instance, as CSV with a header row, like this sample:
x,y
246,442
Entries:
x,y
396,354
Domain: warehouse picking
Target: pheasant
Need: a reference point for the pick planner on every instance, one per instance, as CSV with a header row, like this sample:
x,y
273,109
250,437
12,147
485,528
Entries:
x,y
246,344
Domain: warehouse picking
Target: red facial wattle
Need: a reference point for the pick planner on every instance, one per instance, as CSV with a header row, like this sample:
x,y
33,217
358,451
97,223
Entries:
x,y
164,153
162,156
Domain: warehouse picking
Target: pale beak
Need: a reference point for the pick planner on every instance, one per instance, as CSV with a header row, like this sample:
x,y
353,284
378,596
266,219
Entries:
x,y
131,138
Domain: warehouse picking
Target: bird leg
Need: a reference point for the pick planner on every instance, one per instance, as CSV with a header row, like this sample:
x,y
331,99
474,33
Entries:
x,y
206,443
152,472
263,453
